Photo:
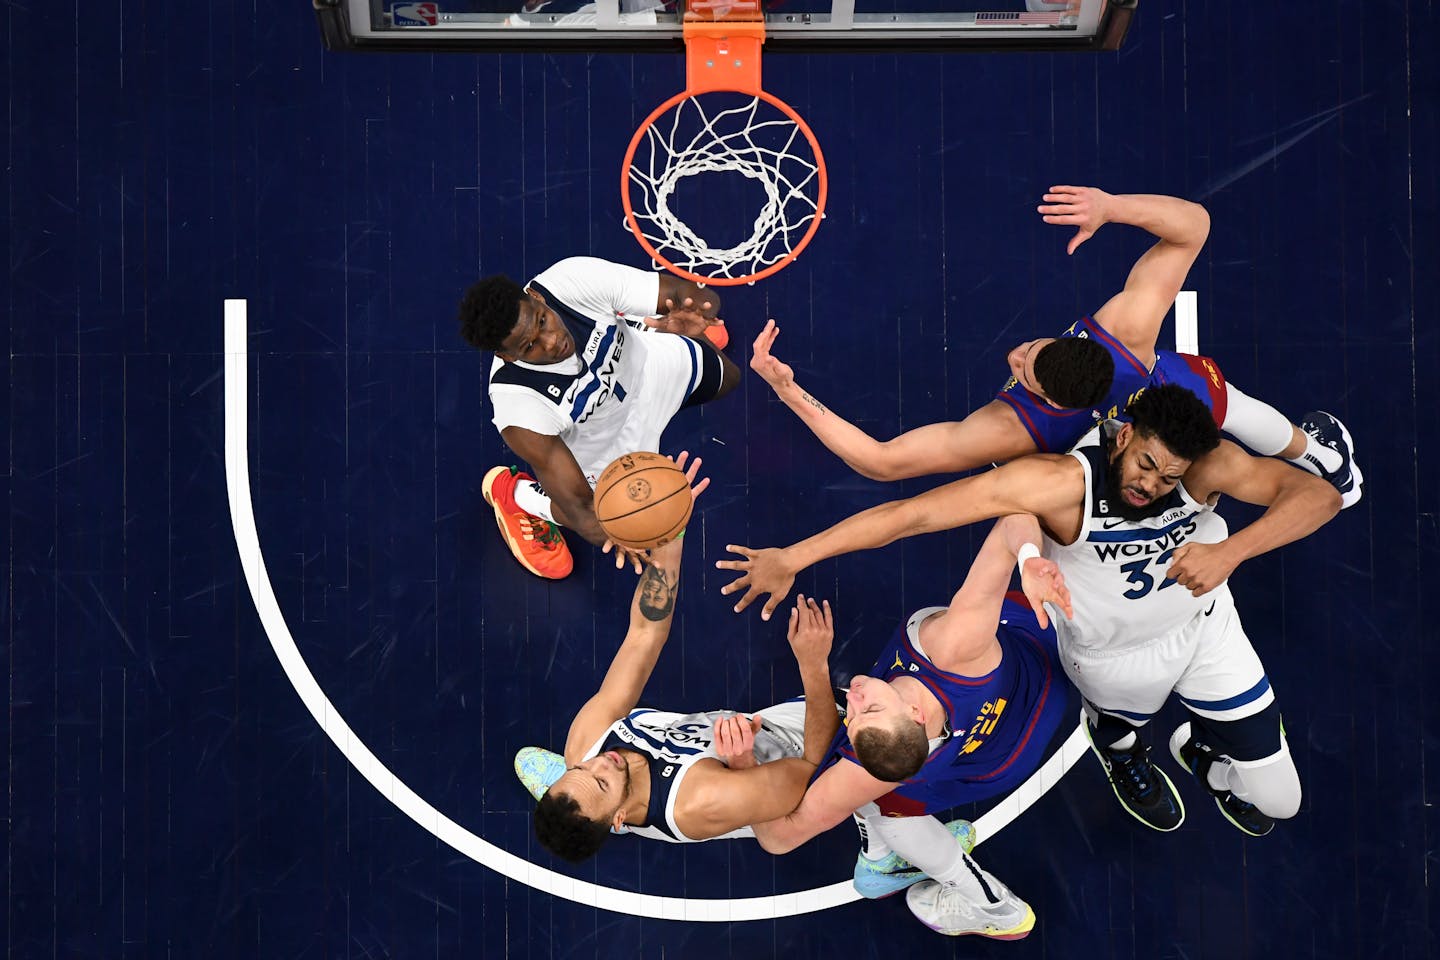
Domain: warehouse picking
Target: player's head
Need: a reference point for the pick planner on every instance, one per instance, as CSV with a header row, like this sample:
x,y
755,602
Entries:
x,y
496,315
1169,429
1069,372
574,817
887,731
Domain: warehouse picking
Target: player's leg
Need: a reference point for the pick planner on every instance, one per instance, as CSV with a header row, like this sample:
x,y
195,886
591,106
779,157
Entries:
x,y
960,897
1245,765
1235,745
1321,445
881,870
1121,694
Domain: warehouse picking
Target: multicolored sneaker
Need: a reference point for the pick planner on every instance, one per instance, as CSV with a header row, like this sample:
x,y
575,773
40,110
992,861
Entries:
x,y
1198,758
892,873
1142,788
536,542
946,909
1328,431
537,769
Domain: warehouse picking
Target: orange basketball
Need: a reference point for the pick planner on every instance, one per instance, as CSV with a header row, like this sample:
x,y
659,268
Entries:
x,y
642,500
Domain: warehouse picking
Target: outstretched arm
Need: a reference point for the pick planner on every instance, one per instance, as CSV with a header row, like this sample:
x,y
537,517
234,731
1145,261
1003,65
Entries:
x,y
1045,485
651,611
720,800
1298,502
988,435
1134,314
835,794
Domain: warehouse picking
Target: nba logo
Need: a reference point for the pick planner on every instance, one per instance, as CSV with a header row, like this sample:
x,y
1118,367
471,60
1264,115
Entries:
x,y
414,14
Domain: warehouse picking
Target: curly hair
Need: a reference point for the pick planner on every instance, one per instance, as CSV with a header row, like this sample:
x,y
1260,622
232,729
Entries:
x,y
892,754
1177,418
489,311
563,830
1074,372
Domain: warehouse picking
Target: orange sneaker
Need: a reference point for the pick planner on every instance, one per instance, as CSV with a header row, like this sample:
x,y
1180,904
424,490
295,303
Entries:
x,y
536,542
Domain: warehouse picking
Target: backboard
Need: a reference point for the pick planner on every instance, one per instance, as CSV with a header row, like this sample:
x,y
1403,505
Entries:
x,y
813,26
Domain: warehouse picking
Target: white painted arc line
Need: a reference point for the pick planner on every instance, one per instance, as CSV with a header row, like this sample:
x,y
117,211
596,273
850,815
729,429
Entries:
x,y
252,561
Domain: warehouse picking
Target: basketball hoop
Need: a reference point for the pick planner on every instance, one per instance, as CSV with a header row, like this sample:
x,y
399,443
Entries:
x,y
724,123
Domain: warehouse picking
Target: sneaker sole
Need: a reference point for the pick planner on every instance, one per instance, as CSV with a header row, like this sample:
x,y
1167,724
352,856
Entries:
x,y
515,551
1019,932
1175,740
1116,790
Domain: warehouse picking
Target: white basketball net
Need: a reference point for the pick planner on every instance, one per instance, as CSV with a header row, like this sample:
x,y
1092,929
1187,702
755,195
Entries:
x,y
690,140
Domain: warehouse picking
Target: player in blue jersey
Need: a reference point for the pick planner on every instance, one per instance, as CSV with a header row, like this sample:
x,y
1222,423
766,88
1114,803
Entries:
x,y
1128,517
962,705
584,371
1060,387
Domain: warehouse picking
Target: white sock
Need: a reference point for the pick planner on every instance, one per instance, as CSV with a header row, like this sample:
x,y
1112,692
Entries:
x,y
1328,460
1218,776
926,843
872,843
530,498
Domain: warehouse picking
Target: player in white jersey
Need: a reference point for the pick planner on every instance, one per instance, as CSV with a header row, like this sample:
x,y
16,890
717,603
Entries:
x,y
585,371
1152,612
685,777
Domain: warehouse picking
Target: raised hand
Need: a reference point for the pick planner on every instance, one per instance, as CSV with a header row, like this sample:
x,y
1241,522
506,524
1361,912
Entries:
x,y
1042,581
686,319
1083,207
771,370
734,738
811,631
639,558
763,571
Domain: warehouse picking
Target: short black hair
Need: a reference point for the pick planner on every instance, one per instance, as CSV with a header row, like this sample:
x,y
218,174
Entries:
x,y
566,832
892,754
1177,418
489,311
1074,372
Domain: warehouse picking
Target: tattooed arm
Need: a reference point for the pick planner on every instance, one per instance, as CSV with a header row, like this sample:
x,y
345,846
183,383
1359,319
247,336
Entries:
x,y
650,615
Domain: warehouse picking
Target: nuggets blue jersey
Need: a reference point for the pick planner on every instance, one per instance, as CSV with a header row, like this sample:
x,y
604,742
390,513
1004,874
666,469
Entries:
x,y
1056,431
998,725
1200,375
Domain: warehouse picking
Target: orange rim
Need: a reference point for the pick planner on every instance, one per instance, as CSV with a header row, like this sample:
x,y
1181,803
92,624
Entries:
x,y
789,258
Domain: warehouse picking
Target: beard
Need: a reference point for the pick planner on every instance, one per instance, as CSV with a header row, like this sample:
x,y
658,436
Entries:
x,y
1118,504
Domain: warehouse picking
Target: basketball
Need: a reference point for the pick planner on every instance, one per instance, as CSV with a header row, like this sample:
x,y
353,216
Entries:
x,y
642,500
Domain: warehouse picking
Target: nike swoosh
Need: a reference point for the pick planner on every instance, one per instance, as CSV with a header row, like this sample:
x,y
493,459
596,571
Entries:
x,y
1111,524
1212,608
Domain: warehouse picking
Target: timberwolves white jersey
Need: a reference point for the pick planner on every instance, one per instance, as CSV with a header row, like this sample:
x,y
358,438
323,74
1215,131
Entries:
x,y
1115,569
583,399
675,742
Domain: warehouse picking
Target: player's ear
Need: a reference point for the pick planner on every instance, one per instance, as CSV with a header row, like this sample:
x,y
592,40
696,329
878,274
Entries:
x,y
1122,437
618,821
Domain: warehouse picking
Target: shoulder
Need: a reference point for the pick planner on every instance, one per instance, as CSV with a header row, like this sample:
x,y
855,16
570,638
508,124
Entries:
x,y
1211,473
706,791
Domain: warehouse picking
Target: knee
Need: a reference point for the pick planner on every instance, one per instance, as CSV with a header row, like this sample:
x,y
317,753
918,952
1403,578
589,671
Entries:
x,y
1282,805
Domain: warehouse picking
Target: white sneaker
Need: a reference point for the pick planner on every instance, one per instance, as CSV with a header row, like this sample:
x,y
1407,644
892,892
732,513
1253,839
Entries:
x,y
945,909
